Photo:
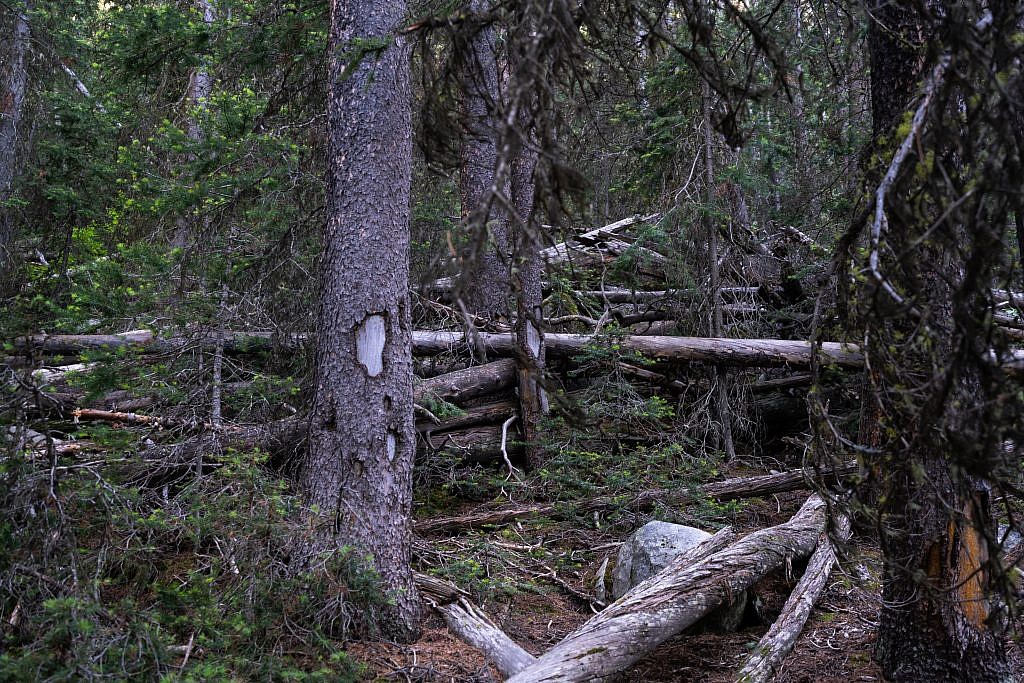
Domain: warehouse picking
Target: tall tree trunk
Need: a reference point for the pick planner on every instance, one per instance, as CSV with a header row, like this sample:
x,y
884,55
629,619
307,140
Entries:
x,y
519,151
721,374
200,87
486,273
528,270
934,516
357,475
12,102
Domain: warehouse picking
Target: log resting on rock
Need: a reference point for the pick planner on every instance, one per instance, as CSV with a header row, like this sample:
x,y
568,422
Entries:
x,y
672,600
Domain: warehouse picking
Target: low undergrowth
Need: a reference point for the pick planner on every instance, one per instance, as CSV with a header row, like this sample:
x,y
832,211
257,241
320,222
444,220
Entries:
x,y
103,580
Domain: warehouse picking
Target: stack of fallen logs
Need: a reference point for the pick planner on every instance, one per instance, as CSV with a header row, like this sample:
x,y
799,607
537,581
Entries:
x,y
480,431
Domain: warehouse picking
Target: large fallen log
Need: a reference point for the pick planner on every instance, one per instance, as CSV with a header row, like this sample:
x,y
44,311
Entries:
x,y
763,664
741,352
673,600
725,490
470,624
722,351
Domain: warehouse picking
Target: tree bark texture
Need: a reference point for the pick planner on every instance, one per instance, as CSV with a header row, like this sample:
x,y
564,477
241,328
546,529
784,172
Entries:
x,y
486,262
12,103
358,473
674,599
934,512
528,270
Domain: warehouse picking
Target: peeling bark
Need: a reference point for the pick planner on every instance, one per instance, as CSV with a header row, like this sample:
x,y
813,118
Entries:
x,y
928,447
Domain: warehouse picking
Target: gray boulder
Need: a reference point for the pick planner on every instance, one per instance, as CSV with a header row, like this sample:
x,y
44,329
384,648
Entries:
x,y
650,549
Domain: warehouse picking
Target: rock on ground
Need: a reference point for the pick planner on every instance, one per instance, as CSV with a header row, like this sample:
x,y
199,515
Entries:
x,y
650,549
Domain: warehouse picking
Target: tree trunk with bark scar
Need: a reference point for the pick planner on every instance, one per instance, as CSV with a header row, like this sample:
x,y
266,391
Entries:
x,y
937,621
357,476
529,334
12,102
486,275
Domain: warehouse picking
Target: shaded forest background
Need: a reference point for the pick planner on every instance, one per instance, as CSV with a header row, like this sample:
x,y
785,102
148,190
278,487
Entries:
x,y
842,175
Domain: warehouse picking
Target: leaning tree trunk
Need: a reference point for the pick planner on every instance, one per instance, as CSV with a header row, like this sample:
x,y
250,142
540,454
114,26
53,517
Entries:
x,y
357,475
12,101
485,275
927,438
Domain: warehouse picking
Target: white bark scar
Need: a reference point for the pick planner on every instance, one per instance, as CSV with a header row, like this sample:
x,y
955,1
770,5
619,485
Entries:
x,y
532,339
392,445
370,338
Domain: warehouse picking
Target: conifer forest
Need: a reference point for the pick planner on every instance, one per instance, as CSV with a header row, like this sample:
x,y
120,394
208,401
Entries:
x,y
512,340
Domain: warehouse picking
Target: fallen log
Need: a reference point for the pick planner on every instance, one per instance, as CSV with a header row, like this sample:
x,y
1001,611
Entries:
x,y
488,413
719,351
563,251
474,445
741,352
653,377
560,253
469,383
96,415
146,341
725,490
285,438
798,379
763,664
621,295
673,600
753,352
470,624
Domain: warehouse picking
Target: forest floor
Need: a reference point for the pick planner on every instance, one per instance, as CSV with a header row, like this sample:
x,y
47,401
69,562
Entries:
x,y
537,612
835,646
